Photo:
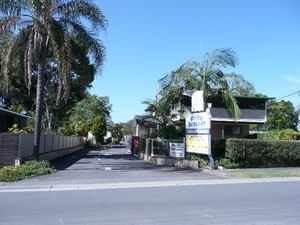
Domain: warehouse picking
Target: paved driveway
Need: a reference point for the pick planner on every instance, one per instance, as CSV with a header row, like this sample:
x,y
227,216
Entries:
x,y
95,166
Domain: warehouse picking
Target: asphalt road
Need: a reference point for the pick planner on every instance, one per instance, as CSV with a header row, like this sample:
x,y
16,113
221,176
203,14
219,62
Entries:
x,y
93,186
258,203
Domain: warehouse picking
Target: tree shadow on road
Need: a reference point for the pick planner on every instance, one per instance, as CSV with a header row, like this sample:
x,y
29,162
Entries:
x,y
114,160
66,161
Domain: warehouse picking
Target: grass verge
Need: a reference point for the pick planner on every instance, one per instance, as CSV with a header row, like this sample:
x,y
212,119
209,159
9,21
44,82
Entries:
x,y
26,170
265,174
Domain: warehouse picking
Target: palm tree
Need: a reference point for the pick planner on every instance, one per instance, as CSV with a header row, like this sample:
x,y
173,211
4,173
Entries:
x,y
160,111
209,77
45,26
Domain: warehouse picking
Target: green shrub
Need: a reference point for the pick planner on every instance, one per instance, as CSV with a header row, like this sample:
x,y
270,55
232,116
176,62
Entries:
x,y
287,134
218,147
15,129
227,163
142,145
246,153
26,170
202,159
270,135
170,132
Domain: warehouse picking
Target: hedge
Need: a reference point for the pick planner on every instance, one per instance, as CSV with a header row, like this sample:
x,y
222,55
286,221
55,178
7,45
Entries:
x,y
248,153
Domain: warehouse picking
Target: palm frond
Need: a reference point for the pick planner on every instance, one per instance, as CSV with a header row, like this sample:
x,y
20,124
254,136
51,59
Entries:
x,y
165,81
86,9
151,105
224,57
8,23
9,53
235,80
61,45
231,103
97,49
11,7
28,59
217,79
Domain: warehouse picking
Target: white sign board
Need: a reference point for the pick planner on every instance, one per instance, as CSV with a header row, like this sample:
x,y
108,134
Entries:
x,y
197,133
197,101
177,150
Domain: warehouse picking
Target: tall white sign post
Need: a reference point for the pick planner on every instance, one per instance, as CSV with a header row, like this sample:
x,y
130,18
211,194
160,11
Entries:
x,y
198,127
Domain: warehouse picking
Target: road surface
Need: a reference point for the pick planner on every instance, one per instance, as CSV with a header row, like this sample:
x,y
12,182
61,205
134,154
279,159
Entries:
x,y
112,187
258,203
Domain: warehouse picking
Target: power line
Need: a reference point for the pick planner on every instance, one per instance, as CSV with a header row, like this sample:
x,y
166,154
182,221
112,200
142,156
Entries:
x,y
288,95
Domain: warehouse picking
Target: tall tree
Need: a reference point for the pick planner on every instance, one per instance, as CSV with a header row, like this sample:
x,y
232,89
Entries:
x,y
99,128
45,26
209,77
117,132
128,127
282,115
80,118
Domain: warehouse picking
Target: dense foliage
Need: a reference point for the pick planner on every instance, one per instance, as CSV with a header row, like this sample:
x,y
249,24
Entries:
x,y
99,128
80,119
286,134
282,115
117,132
170,131
15,129
246,153
26,170
48,41
207,76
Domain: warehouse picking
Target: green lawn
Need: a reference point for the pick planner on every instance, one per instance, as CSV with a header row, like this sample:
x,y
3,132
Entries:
x,y
266,173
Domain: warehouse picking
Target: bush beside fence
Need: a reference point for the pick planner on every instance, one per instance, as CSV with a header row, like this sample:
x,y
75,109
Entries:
x,y
239,153
246,153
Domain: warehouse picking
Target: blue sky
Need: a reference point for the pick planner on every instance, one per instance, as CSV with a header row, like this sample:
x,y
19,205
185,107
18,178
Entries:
x,y
146,39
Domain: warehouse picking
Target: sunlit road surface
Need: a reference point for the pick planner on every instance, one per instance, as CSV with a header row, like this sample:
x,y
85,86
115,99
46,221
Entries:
x,y
251,203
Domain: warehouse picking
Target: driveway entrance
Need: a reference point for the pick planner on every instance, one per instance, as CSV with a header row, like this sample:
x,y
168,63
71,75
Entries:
x,y
115,165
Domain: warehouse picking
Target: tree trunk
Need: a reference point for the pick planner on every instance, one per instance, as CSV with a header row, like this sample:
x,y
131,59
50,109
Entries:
x,y
39,97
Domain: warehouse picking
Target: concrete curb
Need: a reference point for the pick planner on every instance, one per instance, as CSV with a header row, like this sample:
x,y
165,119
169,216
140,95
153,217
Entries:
x,y
79,187
167,161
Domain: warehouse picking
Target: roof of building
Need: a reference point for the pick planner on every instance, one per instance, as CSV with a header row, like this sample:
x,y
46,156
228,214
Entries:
x,y
254,97
8,112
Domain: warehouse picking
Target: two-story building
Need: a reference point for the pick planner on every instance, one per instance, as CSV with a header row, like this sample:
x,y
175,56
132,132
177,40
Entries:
x,y
223,125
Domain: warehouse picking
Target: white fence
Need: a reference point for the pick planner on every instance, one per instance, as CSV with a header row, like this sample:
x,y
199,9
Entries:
x,y
16,147
48,143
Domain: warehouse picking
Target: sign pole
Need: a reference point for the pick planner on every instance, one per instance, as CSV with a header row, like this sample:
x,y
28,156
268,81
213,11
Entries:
x,y
211,159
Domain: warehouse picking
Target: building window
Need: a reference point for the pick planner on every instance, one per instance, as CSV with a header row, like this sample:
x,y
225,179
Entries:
x,y
232,130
